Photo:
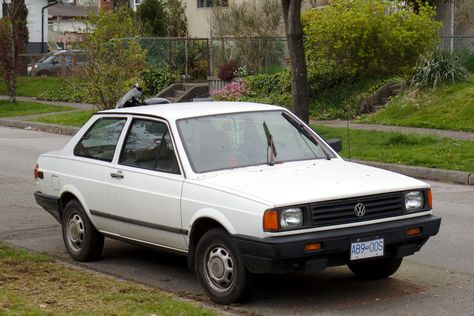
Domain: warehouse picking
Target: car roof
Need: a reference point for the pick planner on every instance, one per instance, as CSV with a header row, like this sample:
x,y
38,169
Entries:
x,y
176,111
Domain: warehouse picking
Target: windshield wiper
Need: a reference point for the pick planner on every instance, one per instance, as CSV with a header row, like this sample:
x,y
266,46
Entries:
x,y
271,150
301,128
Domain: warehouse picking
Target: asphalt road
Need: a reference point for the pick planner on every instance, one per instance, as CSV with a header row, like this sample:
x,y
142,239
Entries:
x,y
436,281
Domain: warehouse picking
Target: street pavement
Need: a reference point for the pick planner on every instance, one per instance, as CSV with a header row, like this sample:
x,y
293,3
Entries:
x,y
436,281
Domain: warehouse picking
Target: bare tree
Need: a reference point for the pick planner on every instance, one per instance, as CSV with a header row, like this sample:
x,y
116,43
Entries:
x,y
250,25
299,75
13,36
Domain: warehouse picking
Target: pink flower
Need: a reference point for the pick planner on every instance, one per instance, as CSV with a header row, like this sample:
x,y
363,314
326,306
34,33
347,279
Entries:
x,y
231,91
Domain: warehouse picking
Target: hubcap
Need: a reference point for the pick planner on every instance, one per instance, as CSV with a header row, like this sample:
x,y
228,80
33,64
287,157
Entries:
x,y
75,232
219,268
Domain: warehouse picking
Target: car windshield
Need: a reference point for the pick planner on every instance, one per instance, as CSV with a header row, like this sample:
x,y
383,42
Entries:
x,y
46,59
239,140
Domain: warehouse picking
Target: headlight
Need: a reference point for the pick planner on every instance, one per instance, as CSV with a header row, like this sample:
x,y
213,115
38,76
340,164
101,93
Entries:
x,y
291,218
414,200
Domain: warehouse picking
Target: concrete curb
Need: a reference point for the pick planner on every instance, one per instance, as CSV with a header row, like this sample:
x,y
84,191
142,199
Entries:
x,y
41,127
442,175
460,177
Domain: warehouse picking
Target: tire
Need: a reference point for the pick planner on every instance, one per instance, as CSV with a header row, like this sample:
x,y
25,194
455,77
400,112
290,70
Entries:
x,y
43,73
82,240
219,268
376,269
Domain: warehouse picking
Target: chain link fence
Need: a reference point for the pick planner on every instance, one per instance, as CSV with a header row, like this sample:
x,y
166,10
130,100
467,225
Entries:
x,y
199,58
457,44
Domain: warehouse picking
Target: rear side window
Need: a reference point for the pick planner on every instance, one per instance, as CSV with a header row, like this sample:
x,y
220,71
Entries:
x,y
148,145
100,140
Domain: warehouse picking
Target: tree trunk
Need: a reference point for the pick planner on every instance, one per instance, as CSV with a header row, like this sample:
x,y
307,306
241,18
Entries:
x,y
299,75
11,74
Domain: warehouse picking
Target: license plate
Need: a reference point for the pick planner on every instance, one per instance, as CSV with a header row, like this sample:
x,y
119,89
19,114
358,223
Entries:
x,y
367,249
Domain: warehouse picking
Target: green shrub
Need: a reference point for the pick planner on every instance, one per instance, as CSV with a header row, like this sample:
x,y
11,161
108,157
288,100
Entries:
x,y
437,68
279,83
467,59
73,90
274,99
157,78
359,38
113,64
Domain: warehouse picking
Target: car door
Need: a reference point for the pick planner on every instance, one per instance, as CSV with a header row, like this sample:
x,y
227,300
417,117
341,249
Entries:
x,y
93,153
145,187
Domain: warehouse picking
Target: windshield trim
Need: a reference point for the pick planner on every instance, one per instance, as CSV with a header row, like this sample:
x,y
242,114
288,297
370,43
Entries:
x,y
191,163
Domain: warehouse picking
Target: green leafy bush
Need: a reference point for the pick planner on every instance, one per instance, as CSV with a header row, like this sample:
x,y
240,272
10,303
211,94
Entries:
x,y
262,84
72,90
157,78
113,64
359,38
437,68
467,59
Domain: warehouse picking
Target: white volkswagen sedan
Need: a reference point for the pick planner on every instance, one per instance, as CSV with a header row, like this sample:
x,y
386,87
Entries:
x,y
238,188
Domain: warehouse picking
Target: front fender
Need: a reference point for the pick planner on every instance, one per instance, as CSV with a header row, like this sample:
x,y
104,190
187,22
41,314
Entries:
x,y
214,215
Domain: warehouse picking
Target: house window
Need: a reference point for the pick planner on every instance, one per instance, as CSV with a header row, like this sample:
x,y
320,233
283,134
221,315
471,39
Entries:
x,y
212,3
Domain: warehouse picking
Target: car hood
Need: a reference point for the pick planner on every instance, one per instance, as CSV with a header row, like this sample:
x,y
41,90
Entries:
x,y
309,181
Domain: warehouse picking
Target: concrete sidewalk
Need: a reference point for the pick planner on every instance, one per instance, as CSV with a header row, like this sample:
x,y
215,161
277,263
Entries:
x,y
459,177
79,106
401,129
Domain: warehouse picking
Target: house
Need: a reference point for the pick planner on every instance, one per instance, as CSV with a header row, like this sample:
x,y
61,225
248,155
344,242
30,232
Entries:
x,y
197,12
67,22
35,29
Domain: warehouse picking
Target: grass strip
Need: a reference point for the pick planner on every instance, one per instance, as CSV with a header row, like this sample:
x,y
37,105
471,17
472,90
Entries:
x,y
70,119
19,108
33,87
32,284
408,149
448,107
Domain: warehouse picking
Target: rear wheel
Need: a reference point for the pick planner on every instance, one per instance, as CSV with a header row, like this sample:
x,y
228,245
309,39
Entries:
x,y
219,268
82,240
376,269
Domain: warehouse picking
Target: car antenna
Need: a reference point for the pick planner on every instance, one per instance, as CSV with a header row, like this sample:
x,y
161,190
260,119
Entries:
x,y
271,150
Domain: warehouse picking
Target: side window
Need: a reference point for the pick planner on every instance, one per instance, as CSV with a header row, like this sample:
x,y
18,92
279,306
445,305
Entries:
x,y
100,140
148,145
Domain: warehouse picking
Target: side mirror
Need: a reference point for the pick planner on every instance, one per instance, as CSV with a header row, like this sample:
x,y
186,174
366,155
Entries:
x,y
335,144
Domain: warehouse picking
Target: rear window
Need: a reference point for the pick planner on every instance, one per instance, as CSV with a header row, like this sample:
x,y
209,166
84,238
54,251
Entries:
x,y
100,141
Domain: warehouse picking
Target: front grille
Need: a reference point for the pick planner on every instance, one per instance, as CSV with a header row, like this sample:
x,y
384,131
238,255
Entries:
x,y
342,211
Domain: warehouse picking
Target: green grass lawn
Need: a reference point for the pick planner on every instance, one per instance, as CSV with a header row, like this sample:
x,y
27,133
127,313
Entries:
x,y
32,87
71,119
448,107
407,149
32,284
8,109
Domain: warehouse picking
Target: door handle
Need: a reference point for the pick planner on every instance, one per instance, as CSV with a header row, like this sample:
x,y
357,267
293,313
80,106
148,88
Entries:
x,y
117,175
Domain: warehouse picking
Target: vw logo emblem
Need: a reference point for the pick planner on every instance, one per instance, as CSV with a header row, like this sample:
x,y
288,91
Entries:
x,y
359,210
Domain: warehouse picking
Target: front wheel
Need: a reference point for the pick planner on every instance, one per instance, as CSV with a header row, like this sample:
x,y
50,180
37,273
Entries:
x,y
376,269
219,268
82,240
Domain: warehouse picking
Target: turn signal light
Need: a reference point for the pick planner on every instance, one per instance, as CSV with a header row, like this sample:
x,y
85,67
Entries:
x,y
270,220
430,199
414,231
312,247
36,171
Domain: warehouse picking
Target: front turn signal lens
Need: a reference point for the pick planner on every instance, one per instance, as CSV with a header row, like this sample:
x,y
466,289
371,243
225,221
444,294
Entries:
x,y
414,231
312,247
430,199
270,220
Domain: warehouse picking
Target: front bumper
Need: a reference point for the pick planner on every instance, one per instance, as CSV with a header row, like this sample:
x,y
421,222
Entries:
x,y
286,253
